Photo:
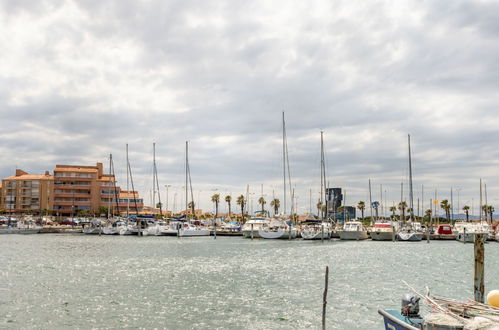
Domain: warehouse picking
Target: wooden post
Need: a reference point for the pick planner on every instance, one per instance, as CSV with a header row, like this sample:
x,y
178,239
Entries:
x,y
464,235
393,233
215,228
428,233
324,300
479,269
251,231
178,230
322,233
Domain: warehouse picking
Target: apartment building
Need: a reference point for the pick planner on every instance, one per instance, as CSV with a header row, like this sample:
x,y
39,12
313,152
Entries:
x,y
27,192
87,188
130,200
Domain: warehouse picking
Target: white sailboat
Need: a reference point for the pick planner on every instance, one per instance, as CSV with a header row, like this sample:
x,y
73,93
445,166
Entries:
x,y
410,232
281,227
319,229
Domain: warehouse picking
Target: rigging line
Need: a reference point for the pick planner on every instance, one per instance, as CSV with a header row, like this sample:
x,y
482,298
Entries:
x,y
133,191
114,185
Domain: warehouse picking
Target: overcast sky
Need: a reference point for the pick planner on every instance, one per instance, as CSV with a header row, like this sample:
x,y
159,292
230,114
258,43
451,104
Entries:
x,y
79,80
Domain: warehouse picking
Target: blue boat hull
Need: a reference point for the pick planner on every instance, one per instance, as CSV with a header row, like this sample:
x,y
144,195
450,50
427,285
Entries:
x,y
395,321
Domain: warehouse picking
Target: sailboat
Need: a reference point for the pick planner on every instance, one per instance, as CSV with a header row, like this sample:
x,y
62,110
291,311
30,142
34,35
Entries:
x,y
412,231
314,229
131,227
280,227
188,228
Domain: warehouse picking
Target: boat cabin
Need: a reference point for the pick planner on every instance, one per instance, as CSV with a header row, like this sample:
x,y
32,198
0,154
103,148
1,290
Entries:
x,y
444,230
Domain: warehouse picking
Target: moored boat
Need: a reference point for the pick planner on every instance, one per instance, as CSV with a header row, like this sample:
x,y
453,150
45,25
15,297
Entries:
x,y
383,231
251,227
316,229
353,230
278,229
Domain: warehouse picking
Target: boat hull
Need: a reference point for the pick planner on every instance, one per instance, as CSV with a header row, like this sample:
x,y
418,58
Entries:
x,y
315,234
382,235
468,237
409,237
353,235
393,320
278,234
195,232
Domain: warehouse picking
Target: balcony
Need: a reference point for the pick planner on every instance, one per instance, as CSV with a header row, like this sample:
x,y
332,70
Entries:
x,y
71,203
72,195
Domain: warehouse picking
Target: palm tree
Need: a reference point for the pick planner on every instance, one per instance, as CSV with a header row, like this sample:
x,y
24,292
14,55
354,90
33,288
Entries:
x,y
262,202
341,210
490,211
428,214
275,203
484,209
446,206
393,209
361,206
402,207
228,199
319,209
216,199
191,206
466,209
410,210
241,202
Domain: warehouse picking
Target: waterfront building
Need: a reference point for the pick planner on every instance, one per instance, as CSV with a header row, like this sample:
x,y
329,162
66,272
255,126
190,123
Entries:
x,y
128,200
79,188
26,192
334,199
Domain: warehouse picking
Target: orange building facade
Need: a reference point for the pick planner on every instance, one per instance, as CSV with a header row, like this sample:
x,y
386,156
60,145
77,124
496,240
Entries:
x,y
27,192
71,190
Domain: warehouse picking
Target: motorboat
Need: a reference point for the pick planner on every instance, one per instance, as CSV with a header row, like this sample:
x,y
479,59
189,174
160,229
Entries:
x,y
384,230
278,229
467,231
353,230
94,227
253,225
189,229
229,228
316,229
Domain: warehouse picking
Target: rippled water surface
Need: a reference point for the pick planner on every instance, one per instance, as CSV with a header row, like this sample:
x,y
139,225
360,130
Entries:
x,y
76,281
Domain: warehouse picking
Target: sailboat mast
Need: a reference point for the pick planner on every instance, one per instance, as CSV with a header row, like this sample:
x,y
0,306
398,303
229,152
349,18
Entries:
x,y
411,197
323,176
108,197
284,159
153,175
127,185
186,169
480,199
371,202
157,181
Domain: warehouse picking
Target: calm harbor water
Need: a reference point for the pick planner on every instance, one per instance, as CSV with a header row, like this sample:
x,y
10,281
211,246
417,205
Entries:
x,y
76,281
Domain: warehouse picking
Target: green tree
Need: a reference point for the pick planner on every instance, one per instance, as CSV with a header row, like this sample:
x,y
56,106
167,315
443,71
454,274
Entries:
x,y
216,199
428,214
241,202
466,210
102,210
228,200
276,204
191,205
361,206
319,209
446,207
393,209
402,208
262,202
